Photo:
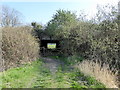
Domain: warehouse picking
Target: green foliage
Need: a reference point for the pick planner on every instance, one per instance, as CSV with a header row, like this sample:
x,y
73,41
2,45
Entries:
x,y
70,60
36,26
92,39
98,39
105,44
60,19
76,85
72,32
38,30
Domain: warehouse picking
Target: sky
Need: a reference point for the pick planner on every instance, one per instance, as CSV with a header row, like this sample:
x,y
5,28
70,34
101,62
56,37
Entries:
x,y
41,11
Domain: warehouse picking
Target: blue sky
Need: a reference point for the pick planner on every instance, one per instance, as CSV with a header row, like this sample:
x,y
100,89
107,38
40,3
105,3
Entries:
x,y
42,12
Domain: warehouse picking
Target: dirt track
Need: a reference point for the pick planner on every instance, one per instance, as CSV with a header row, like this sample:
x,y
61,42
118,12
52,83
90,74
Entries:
x,y
52,64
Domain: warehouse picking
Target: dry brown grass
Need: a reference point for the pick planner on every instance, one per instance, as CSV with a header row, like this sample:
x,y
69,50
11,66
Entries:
x,y
18,46
102,74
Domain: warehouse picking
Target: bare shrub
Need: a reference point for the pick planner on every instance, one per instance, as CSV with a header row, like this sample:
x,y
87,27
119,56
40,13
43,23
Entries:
x,y
1,60
101,73
18,46
10,17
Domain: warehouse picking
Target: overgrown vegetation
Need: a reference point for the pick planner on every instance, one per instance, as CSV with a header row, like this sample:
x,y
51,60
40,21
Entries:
x,y
18,46
96,39
90,45
93,68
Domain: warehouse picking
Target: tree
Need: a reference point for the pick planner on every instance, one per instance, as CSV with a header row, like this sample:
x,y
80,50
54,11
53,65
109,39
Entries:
x,y
105,44
38,30
107,12
60,19
10,17
36,25
72,31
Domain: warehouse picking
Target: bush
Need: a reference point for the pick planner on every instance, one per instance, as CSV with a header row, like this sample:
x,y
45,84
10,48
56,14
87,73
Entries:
x,y
1,60
106,49
18,46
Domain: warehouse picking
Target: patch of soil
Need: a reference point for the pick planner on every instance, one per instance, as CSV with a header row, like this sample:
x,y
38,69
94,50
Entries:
x,y
52,64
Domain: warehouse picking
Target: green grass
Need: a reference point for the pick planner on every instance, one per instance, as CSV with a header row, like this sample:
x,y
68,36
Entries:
x,y
75,75
36,75
0,81
71,60
20,77
65,79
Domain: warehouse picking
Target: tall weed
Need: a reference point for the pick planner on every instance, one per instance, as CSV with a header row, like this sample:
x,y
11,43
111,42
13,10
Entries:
x,y
101,73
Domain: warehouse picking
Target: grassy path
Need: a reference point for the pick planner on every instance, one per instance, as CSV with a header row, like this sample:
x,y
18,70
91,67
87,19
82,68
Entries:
x,y
56,74
54,77
47,73
52,64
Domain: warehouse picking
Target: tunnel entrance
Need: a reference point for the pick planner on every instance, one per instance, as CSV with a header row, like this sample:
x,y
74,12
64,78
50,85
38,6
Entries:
x,y
49,47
